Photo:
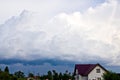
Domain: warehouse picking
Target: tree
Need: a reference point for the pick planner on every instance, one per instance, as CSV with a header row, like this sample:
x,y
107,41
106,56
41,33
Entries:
x,y
0,70
4,76
30,75
19,74
50,77
6,69
55,75
60,76
110,76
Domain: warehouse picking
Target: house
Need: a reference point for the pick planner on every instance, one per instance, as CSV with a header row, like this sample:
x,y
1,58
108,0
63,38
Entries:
x,y
33,78
89,72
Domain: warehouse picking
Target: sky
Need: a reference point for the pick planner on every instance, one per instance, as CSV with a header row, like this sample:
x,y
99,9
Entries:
x,y
41,35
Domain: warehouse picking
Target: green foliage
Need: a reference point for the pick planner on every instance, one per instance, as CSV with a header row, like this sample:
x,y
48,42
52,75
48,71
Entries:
x,y
19,74
0,70
57,76
111,76
30,75
21,79
6,69
67,76
50,77
60,76
6,76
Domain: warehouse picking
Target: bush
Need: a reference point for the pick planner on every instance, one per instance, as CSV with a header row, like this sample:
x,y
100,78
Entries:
x,y
111,76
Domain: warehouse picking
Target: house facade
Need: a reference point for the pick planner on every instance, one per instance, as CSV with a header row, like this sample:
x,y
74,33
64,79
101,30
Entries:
x,y
89,72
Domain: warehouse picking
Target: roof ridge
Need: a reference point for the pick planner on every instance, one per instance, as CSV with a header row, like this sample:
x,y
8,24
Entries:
x,y
86,64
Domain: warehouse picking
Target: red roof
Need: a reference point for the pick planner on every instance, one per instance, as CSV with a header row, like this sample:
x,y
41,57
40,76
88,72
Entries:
x,y
85,69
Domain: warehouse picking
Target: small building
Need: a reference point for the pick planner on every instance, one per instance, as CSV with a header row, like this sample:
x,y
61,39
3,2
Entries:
x,y
33,78
89,72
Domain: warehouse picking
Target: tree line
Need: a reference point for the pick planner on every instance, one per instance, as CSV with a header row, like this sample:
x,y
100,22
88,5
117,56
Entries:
x,y
19,75
5,75
51,75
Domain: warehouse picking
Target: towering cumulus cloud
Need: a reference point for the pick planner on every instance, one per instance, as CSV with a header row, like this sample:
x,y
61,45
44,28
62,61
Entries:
x,y
87,36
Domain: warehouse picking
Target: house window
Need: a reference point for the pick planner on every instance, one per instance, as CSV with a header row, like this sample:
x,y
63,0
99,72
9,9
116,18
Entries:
x,y
98,78
77,77
97,70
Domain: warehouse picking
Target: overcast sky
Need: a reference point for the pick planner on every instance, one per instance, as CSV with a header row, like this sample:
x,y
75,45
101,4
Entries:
x,y
78,31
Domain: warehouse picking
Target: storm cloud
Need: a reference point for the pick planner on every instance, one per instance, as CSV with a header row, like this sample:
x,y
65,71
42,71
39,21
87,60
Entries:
x,y
92,35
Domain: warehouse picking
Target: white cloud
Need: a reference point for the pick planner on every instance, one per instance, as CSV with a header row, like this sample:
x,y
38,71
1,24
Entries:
x,y
46,8
88,36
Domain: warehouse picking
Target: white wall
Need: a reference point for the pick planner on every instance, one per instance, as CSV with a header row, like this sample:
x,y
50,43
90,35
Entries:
x,y
84,78
79,77
93,75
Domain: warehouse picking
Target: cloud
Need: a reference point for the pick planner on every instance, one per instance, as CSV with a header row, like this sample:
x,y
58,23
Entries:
x,y
46,8
82,37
